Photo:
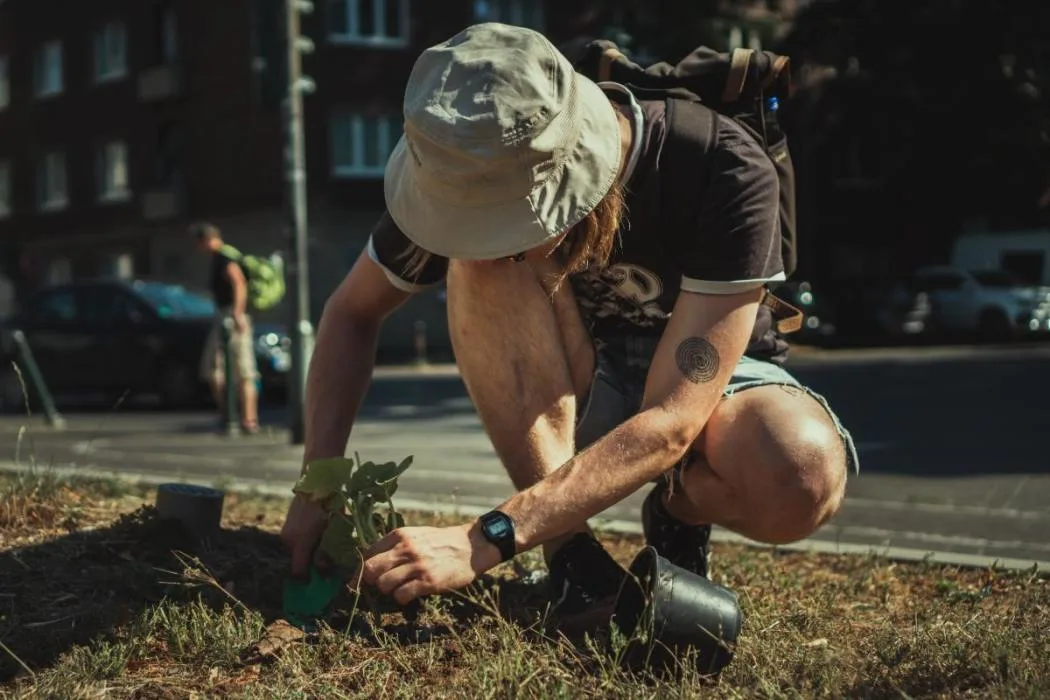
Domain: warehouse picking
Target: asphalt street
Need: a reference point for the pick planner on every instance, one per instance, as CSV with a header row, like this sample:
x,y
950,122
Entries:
x,y
953,447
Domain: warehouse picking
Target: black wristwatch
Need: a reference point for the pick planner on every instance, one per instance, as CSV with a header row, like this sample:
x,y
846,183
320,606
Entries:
x,y
498,529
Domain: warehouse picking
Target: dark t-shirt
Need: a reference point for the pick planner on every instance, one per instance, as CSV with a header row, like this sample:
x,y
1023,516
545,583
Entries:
x,y
220,285
734,247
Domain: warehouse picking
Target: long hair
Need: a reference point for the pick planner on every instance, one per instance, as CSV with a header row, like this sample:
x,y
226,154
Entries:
x,y
588,244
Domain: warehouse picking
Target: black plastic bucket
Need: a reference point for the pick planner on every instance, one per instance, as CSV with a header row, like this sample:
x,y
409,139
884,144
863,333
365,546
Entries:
x,y
670,615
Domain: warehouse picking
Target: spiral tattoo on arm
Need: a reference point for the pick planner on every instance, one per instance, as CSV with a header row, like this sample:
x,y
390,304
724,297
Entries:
x,y
697,359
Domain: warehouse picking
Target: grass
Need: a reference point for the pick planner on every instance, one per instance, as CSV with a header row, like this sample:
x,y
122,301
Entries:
x,y
100,599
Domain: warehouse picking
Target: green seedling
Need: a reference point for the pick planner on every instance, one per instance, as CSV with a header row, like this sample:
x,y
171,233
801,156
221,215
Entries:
x,y
355,493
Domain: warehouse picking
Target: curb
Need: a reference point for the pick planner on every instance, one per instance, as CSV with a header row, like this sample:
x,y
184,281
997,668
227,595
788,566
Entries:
x,y
813,546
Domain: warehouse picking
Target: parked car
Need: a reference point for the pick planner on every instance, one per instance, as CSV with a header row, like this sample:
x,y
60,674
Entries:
x,y
946,301
111,337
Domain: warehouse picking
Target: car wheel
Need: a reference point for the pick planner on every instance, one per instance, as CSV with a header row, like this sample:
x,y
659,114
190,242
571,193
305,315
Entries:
x,y
177,386
994,326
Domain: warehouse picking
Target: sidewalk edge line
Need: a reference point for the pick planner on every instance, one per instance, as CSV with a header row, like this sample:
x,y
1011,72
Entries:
x,y
816,546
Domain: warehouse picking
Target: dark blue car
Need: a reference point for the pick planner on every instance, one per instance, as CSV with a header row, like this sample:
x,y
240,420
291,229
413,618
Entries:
x,y
113,338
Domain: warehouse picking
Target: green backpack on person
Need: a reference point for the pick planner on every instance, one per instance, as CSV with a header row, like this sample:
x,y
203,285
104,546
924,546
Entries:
x,y
265,277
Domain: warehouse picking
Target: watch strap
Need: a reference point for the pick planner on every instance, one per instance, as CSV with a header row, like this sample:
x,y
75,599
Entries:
x,y
498,528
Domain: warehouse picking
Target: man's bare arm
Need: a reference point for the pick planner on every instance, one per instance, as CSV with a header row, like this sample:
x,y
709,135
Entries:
x,y
344,356
706,336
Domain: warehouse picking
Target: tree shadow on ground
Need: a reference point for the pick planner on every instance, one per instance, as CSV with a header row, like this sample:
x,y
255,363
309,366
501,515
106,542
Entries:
x,y
84,585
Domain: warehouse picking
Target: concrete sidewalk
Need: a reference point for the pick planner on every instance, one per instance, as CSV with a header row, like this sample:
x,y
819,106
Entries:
x,y
456,471
952,446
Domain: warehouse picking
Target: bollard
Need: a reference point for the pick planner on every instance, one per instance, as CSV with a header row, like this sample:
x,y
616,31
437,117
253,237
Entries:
x,y
51,414
233,427
420,341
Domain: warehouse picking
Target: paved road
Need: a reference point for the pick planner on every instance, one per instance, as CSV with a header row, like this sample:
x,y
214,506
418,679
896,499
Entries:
x,y
953,447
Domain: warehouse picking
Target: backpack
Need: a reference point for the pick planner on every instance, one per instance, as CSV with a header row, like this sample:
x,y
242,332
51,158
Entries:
x,y
265,277
746,86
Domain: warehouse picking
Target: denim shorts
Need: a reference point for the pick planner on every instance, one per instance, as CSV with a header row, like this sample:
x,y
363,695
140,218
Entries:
x,y
622,364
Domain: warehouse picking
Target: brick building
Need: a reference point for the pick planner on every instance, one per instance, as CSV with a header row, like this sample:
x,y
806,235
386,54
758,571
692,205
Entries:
x,y
123,120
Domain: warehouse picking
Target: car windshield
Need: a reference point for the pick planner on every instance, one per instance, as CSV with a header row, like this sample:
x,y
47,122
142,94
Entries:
x,y
994,278
173,301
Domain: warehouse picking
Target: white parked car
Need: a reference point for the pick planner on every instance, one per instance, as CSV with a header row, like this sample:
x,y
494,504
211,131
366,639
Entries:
x,y
991,304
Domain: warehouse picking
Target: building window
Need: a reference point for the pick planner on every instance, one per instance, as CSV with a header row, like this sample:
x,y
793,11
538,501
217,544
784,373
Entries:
x,y
112,164
47,69
5,188
51,189
111,51
168,36
520,13
5,86
371,22
361,144
120,266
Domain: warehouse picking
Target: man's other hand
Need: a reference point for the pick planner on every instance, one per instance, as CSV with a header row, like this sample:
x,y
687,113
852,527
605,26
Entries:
x,y
303,526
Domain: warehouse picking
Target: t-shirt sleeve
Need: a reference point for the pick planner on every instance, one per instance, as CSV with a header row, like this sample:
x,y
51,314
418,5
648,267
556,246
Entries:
x,y
222,263
391,249
736,245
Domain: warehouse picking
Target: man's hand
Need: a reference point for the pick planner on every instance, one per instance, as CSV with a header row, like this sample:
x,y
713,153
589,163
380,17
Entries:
x,y
303,526
240,322
413,562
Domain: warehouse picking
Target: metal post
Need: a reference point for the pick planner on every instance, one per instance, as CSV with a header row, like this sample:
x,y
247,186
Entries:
x,y
301,327
36,380
233,404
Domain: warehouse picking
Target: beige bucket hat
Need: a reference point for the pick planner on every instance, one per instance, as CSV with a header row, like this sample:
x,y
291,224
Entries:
x,y
505,146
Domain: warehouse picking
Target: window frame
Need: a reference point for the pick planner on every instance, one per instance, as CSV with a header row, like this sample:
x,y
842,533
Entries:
x,y
106,193
350,35
520,7
41,63
44,179
100,52
389,130
6,188
5,82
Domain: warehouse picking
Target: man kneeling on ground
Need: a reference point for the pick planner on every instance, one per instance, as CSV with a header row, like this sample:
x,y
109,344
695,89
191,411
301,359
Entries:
x,y
601,354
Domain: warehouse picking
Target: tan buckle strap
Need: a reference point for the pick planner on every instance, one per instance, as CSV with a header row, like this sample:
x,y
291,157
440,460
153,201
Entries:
x,y
609,56
787,317
737,74
779,65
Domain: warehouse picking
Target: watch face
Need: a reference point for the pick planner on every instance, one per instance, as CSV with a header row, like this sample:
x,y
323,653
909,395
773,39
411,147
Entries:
x,y
498,527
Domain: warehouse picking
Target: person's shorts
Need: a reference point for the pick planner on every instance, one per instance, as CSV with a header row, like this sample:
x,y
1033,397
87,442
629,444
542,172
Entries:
x,y
621,367
242,353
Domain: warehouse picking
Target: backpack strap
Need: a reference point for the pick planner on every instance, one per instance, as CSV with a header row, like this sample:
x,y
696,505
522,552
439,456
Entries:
x,y
230,252
691,131
605,63
738,68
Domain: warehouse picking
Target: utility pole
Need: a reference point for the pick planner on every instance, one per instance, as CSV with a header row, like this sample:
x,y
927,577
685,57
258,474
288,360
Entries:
x,y
302,332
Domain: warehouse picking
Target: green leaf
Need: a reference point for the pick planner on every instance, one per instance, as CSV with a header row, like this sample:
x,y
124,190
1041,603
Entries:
x,y
376,482
339,543
324,477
